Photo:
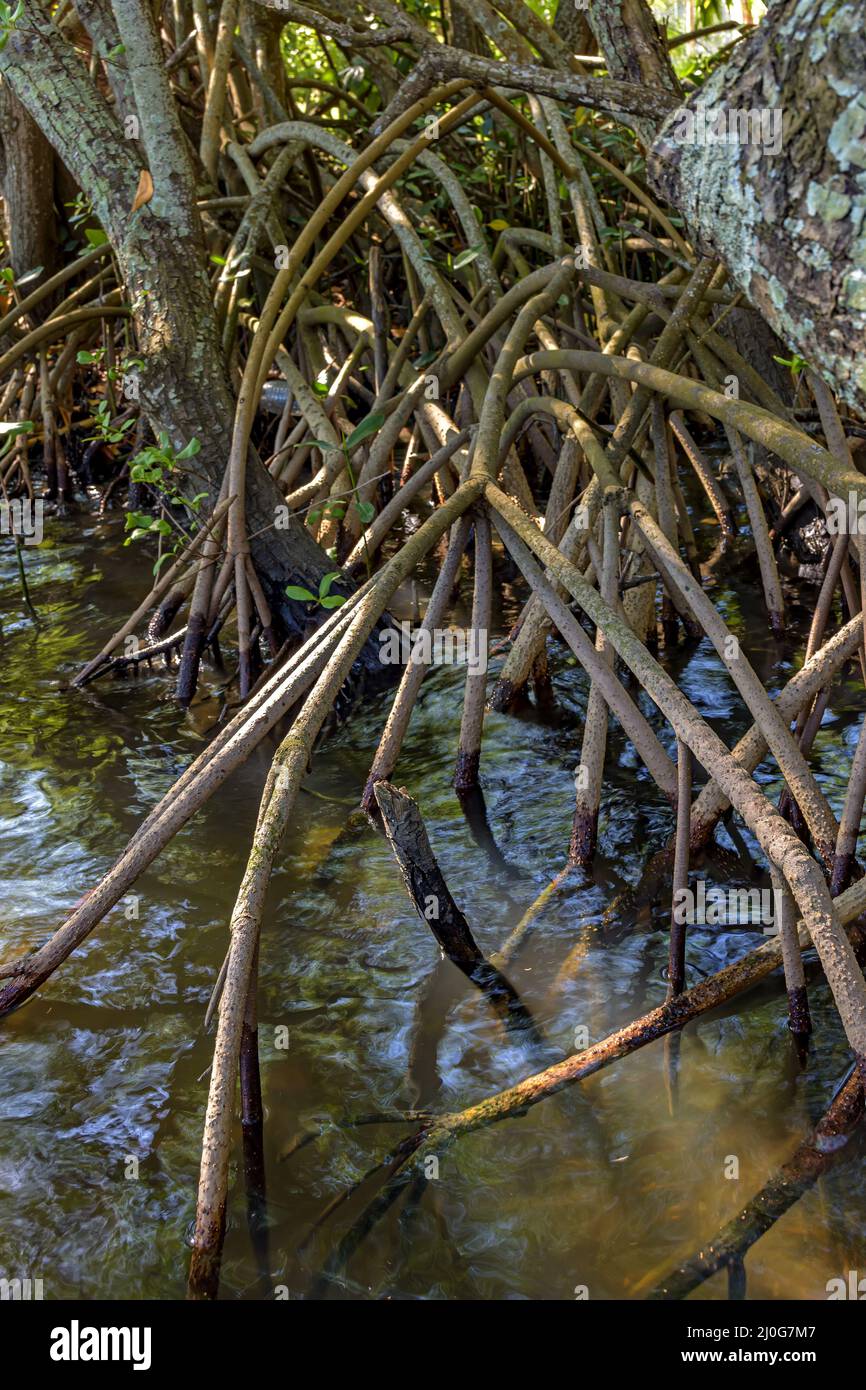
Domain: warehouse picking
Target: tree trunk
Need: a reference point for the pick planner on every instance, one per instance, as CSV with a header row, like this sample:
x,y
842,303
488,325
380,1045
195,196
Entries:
x,y
160,253
260,31
635,51
27,180
572,25
784,208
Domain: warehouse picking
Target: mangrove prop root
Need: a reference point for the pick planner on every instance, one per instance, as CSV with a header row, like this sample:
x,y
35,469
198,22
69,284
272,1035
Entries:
x,y
436,907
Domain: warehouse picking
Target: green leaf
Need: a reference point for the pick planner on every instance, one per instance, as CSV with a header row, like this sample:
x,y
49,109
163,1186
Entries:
x,y
189,451
366,511
13,427
326,582
466,257
333,601
145,473
95,236
297,592
29,275
371,425
796,363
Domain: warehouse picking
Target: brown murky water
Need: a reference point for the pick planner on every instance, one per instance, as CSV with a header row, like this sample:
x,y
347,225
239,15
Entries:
x,y
102,1085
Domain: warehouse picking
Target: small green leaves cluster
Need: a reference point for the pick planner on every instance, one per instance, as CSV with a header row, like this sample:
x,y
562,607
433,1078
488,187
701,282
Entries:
x,y
93,356
324,598
139,525
106,431
158,462
156,465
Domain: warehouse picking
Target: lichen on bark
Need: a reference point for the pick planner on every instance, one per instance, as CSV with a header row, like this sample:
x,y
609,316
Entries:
x,y
789,224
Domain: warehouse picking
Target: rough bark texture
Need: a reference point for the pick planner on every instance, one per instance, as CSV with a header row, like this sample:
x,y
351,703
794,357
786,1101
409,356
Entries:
x,y
572,25
461,30
27,181
788,225
99,29
635,51
632,43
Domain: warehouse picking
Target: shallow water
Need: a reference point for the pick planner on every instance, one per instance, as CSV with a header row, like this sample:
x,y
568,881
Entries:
x,y
103,1076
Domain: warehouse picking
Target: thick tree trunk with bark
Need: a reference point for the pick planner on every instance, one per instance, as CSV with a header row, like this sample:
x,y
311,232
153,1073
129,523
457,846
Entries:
x,y
785,211
27,182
